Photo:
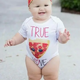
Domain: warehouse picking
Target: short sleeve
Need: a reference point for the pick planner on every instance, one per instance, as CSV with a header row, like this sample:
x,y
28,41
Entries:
x,y
23,31
60,27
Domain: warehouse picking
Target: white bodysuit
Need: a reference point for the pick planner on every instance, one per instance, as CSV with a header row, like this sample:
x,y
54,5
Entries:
x,y
42,39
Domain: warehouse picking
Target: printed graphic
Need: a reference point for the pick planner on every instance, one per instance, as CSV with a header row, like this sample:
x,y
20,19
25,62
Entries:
x,y
38,47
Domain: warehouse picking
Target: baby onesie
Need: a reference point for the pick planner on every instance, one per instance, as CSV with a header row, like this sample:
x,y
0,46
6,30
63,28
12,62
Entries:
x,y
42,39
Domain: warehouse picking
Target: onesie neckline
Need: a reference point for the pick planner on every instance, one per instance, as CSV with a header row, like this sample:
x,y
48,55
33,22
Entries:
x,y
40,23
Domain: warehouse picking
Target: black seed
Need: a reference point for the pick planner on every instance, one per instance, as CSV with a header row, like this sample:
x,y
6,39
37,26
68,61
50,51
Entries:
x,y
40,50
32,49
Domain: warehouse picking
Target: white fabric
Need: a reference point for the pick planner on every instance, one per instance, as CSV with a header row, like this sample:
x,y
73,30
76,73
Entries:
x,y
47,32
